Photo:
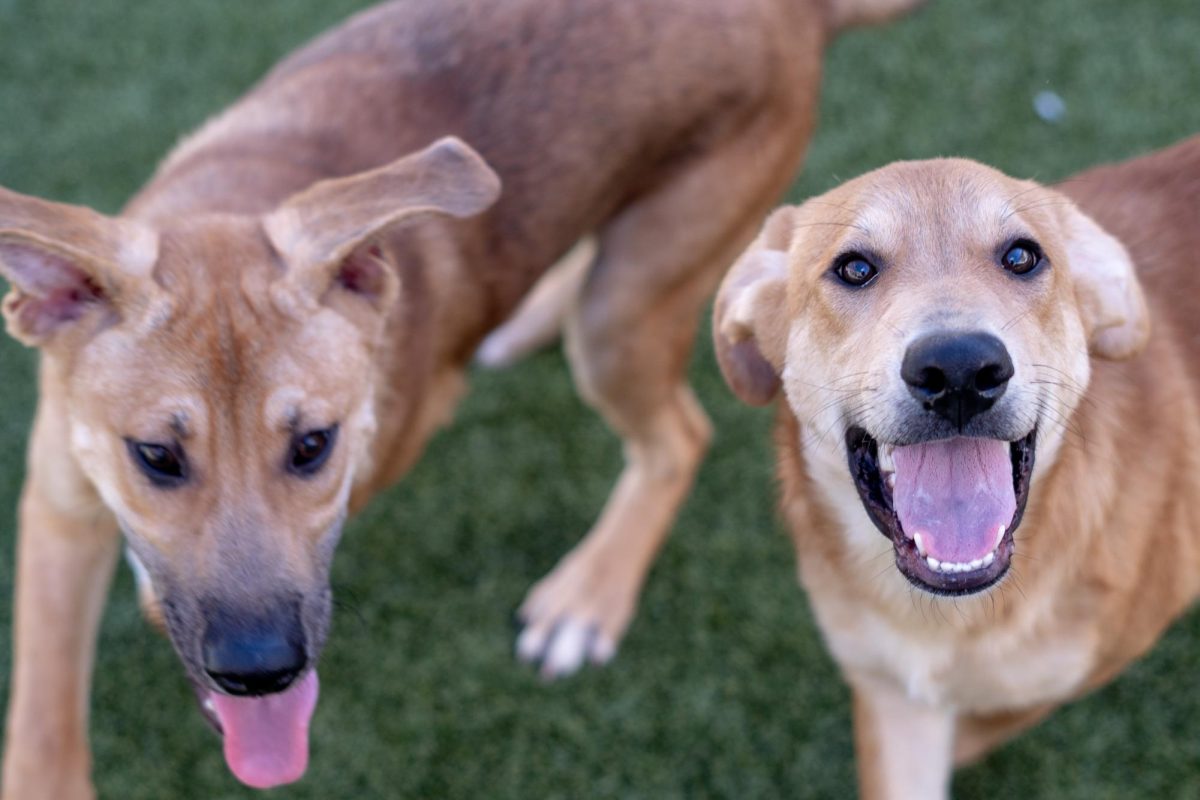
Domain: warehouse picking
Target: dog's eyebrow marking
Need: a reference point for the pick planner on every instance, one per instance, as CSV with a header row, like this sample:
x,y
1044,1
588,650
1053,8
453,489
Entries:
x,y
281,409
179,425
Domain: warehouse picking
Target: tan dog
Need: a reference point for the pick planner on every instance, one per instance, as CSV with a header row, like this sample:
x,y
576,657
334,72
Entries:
x,y
275,325
950,344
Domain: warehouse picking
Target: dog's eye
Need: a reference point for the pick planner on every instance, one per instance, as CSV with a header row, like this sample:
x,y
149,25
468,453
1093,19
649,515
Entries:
x,y
1022,257
164,465
854,270
311,450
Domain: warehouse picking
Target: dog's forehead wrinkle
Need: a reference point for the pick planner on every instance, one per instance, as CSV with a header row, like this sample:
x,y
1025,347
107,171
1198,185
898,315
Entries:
x,y
932,206
236,339
219,266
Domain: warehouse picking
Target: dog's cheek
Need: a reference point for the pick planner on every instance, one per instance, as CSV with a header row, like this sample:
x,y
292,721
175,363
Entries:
x,y
1061,340
148,600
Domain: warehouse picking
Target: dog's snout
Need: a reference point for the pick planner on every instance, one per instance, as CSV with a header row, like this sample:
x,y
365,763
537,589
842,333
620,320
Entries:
x,y
957,375
254,658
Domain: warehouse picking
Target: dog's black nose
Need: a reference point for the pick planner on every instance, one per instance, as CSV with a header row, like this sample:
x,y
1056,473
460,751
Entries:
x,y
253,658
957,375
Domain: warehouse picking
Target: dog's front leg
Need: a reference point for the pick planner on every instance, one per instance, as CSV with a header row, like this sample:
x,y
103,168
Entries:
x,y
903,747
65,561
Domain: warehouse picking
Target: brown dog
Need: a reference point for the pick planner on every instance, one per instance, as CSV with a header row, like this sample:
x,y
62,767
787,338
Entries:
x,y
276,323
951,346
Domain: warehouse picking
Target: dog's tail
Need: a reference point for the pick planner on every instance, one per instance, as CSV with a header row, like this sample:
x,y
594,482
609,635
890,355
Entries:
x,y
538,321
850,13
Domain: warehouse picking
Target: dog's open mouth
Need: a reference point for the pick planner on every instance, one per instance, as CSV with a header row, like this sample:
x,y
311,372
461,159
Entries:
x,y
266,738
949,507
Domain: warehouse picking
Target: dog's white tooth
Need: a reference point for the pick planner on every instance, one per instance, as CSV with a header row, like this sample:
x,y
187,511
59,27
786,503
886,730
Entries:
x,y
919,543
988,559
976,564
999,536
886,462
891,481
209,705
933,563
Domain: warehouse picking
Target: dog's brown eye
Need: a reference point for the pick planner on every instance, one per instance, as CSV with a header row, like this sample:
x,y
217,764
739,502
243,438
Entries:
x,y
311,450
164,465
1022,257
854,270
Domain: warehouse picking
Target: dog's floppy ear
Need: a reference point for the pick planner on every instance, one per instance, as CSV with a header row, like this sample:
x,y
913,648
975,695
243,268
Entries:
x,y
66,262
1110,298
325,233
750,315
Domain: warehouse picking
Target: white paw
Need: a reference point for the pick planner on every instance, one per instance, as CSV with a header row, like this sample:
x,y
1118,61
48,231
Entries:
x,y
563,648
574,617
497,351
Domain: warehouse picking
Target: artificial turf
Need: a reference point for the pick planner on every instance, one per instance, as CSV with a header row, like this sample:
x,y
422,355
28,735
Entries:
x,y
722,687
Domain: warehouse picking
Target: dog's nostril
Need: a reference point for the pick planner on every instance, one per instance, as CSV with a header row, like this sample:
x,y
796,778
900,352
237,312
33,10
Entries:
x,y
932,380
991,377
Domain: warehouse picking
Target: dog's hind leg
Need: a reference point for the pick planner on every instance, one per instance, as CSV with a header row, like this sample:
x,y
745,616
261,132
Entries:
x,y
65,558
629,339
538,321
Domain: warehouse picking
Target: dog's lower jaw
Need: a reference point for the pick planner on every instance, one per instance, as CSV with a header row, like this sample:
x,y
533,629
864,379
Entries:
x,y
953,579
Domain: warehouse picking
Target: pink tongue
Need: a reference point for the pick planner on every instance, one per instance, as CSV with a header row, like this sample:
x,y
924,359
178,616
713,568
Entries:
x,y
266,738
956,494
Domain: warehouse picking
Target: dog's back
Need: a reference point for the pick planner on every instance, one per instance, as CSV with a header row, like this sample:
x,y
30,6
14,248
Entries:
x,y
1132,467
658,85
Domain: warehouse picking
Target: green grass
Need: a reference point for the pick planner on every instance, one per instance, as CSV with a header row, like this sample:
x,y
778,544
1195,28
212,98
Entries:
x,y
722,688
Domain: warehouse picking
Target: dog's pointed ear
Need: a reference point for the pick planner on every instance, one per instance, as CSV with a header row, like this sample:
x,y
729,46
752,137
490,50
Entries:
x,y
750,317
326,232
66,263
1107,290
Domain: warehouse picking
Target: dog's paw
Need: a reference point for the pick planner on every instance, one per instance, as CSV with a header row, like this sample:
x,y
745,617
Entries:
x,y
500,349
564,648
572,617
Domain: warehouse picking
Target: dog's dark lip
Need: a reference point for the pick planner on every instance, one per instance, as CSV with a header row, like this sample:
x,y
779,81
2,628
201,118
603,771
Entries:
x,y
204,700
863,456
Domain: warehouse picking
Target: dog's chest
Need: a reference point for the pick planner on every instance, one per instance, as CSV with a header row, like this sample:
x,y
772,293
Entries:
x,y
1005,669
917,643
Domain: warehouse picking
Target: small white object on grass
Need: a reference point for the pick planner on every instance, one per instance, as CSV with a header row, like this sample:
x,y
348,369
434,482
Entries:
x,y
1049,106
